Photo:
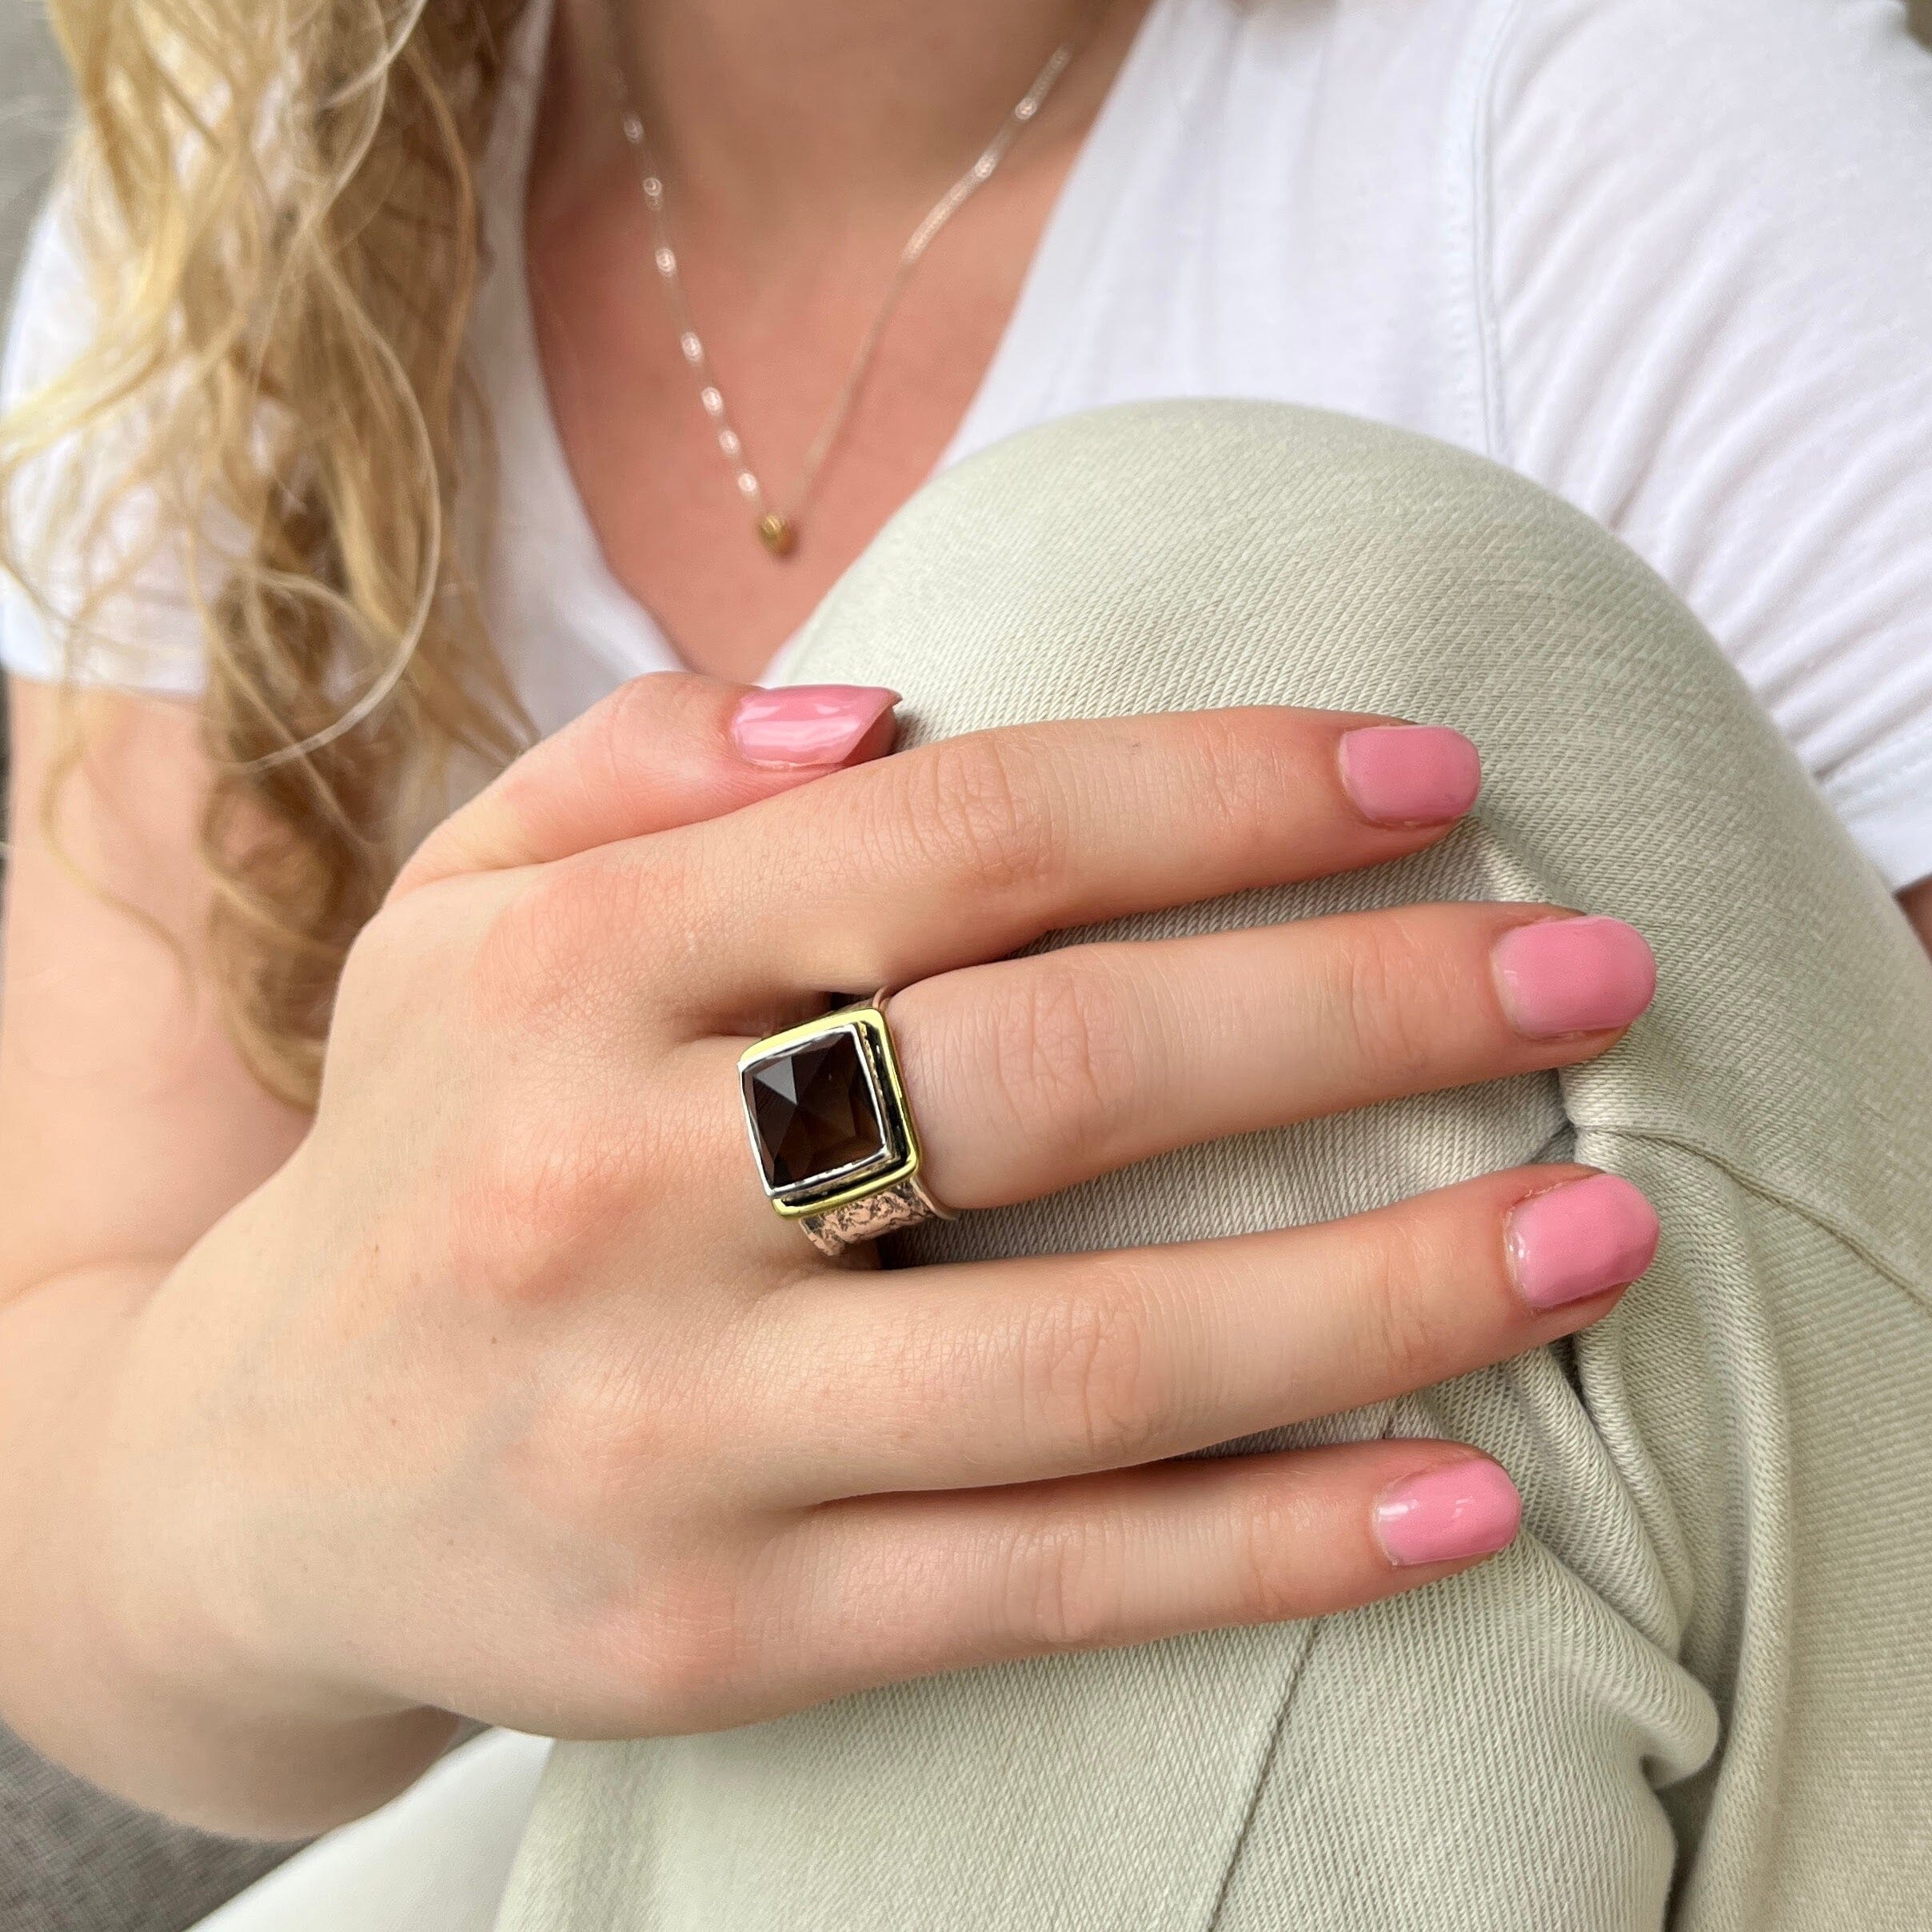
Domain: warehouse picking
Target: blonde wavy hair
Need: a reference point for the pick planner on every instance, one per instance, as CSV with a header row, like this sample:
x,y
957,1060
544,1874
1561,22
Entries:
x,y
279,204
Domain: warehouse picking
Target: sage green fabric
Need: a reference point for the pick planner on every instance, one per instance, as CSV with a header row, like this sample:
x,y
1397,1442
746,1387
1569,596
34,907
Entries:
x,y
1699,1690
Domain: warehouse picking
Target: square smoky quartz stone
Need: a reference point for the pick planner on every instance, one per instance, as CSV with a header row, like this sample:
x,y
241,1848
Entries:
x,y
816,1115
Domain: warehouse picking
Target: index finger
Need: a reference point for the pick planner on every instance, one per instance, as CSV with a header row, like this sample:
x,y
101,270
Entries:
x,y
670,748
965,850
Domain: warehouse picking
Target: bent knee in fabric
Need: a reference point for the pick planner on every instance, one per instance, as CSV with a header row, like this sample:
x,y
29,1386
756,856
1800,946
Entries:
x,y
1537,1742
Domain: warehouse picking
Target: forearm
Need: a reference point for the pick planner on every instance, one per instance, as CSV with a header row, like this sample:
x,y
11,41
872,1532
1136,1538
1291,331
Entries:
x,y
114,1666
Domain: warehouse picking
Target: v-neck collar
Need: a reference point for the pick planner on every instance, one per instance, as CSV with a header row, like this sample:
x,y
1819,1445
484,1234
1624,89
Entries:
x,y
541,488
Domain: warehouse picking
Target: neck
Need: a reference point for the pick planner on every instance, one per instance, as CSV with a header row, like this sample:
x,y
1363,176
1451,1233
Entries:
x,y
764,107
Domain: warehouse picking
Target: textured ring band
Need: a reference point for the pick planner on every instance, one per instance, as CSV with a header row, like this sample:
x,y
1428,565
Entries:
x,y
836,1146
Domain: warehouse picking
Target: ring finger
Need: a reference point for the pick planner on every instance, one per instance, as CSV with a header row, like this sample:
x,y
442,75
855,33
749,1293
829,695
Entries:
x,y
1033,1075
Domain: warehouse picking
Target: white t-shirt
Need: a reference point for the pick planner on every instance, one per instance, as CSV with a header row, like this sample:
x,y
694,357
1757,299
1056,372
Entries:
x,y
1672,259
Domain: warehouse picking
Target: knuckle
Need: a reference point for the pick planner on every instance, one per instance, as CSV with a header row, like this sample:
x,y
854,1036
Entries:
x,y
568,939
400,939
1391,999
616,1423
1053,1063
736,1616
1242,769
979,810
1417,1335
615,747
1068,1049
1067,1580
681,1646
413,949
1269,1581
699,1638
526,1210
608,1449
606,752
1091,1386
581,1430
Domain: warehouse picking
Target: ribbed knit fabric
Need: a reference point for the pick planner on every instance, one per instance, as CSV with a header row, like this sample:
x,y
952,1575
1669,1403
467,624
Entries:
x,y
1699,1690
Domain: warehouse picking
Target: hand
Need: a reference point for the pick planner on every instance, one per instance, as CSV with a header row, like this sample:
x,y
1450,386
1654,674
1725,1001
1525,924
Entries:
x,y
510,1395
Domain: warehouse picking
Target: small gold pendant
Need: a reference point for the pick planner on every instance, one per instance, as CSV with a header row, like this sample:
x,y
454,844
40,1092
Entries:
x,y
778,534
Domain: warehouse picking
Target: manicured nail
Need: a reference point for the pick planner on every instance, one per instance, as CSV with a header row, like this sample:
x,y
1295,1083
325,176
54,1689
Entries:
x,y
1581,1238
1464,1509
1574,976
1410,774
808,724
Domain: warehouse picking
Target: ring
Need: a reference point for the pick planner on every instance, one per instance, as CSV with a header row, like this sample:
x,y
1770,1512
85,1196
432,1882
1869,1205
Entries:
x,y
832,1132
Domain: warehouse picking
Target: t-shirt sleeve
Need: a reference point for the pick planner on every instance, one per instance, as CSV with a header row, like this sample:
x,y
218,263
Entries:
x,y
128,573
1707,254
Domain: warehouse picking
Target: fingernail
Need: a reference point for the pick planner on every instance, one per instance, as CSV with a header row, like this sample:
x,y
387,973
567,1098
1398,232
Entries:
x,y
1464,1509
807,724
1410,774
1580,1239
1574,976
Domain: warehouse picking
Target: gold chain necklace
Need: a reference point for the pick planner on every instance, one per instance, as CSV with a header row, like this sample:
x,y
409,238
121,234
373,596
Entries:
x,y
777,522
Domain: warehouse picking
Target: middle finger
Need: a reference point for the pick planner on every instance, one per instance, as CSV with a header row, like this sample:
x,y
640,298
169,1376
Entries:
x,y
1036,1074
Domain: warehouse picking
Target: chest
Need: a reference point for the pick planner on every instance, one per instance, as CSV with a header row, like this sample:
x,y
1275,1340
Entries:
x,y
781,326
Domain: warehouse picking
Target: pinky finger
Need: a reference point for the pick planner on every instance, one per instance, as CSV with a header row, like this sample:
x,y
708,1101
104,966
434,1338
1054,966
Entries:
x,y
979,1576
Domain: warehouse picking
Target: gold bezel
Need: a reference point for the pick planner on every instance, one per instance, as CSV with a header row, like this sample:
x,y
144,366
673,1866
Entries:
x,y
900,1156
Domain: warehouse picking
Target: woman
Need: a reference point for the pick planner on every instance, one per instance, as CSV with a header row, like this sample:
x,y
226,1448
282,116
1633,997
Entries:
x,y
488,1391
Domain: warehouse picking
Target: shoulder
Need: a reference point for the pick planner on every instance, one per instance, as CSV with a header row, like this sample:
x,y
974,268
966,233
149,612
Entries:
x,y
1704,298
1770,105
97,585
52,317
1721,52
1691,210
50,321
1638,152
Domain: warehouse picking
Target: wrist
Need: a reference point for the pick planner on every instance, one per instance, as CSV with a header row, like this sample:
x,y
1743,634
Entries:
x,y
141,1630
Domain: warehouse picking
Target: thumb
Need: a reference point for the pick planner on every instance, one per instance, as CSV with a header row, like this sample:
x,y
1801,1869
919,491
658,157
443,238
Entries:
x,y
666,750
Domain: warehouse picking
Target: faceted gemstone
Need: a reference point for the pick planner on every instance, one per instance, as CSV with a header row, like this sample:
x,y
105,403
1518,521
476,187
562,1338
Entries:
x,y
814,1111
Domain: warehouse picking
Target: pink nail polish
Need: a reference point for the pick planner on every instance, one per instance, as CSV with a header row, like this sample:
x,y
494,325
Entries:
x,y
1574,976
1464,1509
1580,1239
1410,774
808,724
